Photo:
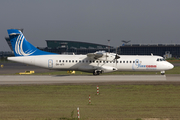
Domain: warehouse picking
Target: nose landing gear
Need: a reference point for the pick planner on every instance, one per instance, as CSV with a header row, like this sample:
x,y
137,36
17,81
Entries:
x,y
162,72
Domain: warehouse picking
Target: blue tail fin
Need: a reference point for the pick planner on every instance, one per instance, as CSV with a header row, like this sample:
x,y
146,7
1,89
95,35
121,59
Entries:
x,y
21,46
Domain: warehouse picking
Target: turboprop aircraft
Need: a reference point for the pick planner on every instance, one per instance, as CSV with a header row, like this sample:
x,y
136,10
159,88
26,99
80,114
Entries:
x,y
96,63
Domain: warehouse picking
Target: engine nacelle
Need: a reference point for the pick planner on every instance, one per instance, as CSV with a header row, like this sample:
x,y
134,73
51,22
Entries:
x,y
107,57
102,55
106,69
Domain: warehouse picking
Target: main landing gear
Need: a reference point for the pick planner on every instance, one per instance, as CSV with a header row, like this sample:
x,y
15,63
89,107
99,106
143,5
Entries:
x,y
97,72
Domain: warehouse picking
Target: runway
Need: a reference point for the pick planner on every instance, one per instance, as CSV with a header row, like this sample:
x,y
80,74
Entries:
x,y
12,68
78,79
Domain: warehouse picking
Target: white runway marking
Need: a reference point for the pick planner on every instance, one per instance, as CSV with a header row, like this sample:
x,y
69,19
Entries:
x,y
30,79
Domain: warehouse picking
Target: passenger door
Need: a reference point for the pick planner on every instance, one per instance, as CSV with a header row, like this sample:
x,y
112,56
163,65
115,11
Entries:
x,y
50,63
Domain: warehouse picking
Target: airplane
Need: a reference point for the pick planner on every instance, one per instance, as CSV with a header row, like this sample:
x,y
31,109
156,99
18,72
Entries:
x,y
96,63
125,41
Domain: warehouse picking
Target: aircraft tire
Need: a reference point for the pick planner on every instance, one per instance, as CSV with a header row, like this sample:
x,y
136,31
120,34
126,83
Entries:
x,y
98,72
94,73
162,72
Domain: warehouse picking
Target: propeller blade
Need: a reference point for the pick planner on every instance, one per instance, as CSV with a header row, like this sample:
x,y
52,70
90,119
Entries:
x,y
117,57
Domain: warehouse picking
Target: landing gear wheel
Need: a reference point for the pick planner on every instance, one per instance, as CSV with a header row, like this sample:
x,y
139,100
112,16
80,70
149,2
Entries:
x,y
162,72
98,73
95,72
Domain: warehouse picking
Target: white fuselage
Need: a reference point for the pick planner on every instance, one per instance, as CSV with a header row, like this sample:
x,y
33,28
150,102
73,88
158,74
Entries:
x,y
84,63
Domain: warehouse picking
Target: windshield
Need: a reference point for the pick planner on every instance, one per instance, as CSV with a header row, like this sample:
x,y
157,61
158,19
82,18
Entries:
x,y
161,59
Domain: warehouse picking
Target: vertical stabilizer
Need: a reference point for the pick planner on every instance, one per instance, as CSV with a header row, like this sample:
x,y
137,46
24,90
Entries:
x,y
21,46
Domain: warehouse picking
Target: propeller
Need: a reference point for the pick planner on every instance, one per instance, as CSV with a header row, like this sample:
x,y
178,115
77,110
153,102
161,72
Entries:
x,y
116,56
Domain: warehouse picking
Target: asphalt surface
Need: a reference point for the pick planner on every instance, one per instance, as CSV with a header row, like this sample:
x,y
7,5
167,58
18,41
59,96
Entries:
x,y
11,68
25,79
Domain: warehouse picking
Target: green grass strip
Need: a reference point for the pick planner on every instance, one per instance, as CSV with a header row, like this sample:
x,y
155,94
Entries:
x,y
56,102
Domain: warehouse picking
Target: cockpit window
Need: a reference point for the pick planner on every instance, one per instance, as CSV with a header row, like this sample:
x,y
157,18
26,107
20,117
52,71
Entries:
x,y
161,59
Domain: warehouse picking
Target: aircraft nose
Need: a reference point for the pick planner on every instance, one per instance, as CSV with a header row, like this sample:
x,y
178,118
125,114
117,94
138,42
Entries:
x,y
170,66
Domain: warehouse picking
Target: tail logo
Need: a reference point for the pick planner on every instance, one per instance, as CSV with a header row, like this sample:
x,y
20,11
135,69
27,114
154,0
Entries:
x,y
19,47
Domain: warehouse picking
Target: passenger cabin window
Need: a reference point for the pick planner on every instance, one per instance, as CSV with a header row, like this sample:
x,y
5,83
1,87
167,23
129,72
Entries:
x,y
136,61
66,61
126,61
120,61
123,61
76,60
72,60
96,61
69,60
79,60
106,61
59,60
129,61
133,61
63,61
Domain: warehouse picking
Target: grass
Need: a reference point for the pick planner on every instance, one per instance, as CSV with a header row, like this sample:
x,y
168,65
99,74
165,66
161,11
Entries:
x,y
40,102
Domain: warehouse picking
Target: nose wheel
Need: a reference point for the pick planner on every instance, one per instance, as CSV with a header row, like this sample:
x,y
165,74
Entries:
x,y
162,72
